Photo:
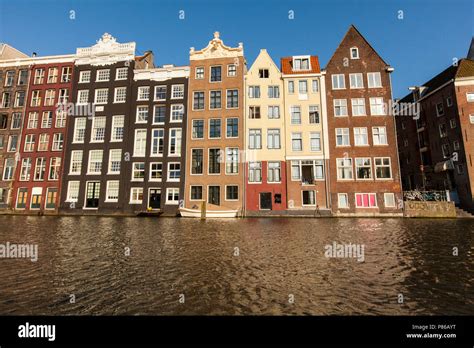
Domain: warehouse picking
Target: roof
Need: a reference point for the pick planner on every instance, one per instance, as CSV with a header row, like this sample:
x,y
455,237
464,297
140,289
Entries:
x,y
466,68
287,66
470,53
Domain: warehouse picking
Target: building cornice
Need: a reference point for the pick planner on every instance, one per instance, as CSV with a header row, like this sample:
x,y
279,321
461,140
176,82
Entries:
x,y
161,74
69,58
106,51
217,49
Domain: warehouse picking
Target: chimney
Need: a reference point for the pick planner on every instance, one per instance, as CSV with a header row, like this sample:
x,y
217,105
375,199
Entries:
x,y
33,54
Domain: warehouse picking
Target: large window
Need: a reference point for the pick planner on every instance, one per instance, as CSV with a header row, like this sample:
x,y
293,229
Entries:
x,y
315,141
117,128
120,95
138,171
314,114
177,91
273,92
101,96
8,167
157,142
255,171
360,136
82,96
215,128
76,162
54,168
198,129
196,193
274,172
255,138
175,142
156,171
197,161
214,193
296,142
340,107
214,161
112,192
358,107
383,168
356,80
198,101
309,197
32,120
160,93
25,169
342,137
338,81
43,143
40,169
136,195
216,73
232,98
95,162
215,99
98,129
232,127
174,171
295,112
344,168
172,195
115,158
72,191
231,192
254,112
366,200
377,107
139,147
363,168
374,80
303,86
273,138
159,114
47,119
58,141
254,91
177,112
142,114
232,160
379,135
29,143
103,75
273,111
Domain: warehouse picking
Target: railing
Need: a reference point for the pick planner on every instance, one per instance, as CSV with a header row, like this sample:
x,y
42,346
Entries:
x,y
417,195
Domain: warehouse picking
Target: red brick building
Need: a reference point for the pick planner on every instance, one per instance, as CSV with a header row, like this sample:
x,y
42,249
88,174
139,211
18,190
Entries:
x,y
39,168
363,164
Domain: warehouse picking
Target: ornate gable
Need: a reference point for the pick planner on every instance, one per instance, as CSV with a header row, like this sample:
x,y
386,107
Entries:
x,y
216,49
105,52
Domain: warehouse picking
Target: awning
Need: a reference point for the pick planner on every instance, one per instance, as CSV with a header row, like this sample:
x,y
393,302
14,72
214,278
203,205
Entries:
x,y
443,166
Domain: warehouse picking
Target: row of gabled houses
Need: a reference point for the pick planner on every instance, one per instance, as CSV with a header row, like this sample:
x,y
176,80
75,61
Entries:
x,y
105,131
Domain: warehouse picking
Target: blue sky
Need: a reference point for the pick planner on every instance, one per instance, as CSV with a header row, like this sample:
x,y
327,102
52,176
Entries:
x,y
425,41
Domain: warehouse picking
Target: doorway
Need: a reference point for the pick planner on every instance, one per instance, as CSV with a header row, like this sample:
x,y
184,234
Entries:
x,y
265,201
154,198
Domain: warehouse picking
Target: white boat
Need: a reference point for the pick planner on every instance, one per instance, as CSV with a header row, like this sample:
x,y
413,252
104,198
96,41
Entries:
x,y
196,213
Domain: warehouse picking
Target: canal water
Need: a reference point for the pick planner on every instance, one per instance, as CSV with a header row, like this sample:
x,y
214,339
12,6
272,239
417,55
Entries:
x,y
265,266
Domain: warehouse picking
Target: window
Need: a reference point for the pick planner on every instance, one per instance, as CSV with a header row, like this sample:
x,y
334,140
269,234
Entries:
x,y
303,86
382,168
197,158
216,73
175,142
172,195
60,119
340,107
54,168
443,131
366,200
452,123
214,161
117,128
112,191
40,169
377,106
29,143
273,139
121,73
177,91
12,143
63,96
6,99
22,77
92,194
199,73
160,93
83,96
143,93
85,76
9,78
379,135
315,86
177,112
39,77
52,75
358,107
43,142
47,119
471,119
315,141
338,81
255,171
58,140
1,141
198,100
354,53
103,75
374,80
291,87
76,162
196,193
142,114
231,192
95,162
263,73
3,195
274,172
159,114
295,112
8,169
360,136
66,74
198,129
49,97
342,137
232,98
139,146
254,112
273,92
232,127
470,97
273,111
138,171
72,191
16,120
35,98
460,169
25,169
115,158
456,145
157,142
296,142
156,171
344,168
309,197
101,96
136,195
389,200
232,160
255,138
449,101
32,120
342,201
19,99
314,114
445,150
301,64
120,95
439,109
174,171
3,121
363,168
231,70
213,195
254,91
215,128
98,129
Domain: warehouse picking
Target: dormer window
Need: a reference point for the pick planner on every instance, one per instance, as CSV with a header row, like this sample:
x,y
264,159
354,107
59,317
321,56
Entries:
x,y
301,63
354,53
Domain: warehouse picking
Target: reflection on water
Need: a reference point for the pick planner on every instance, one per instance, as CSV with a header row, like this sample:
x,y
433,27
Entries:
x,y
86,257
